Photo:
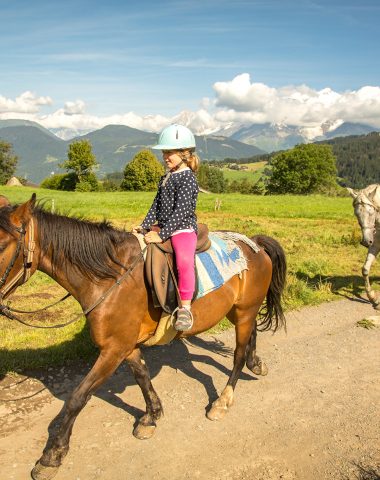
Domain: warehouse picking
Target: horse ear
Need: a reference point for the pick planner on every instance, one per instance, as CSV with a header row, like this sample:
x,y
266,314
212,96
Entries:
x,y
23,213
352,192
375,196
4,202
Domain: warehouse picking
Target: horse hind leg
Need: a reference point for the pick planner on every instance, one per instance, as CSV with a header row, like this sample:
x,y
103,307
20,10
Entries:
x,y
243,328
146,425
253,361
47,466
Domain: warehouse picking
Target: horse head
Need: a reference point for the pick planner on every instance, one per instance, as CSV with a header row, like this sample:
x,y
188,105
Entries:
x,y
16,244
366,205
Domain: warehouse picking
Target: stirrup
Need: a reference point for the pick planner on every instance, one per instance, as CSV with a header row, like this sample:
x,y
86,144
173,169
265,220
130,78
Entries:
x,y
184,320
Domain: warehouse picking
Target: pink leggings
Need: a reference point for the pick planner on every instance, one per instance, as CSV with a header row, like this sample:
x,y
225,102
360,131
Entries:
x,y
184,248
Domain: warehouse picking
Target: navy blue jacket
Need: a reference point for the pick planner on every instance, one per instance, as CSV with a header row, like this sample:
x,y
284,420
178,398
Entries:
x,y
173,207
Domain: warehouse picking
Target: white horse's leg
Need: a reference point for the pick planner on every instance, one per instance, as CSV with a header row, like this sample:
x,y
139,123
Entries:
x,y
371,294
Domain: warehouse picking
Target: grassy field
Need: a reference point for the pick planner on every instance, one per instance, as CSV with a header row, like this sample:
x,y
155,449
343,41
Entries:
x,y
252,173
319,234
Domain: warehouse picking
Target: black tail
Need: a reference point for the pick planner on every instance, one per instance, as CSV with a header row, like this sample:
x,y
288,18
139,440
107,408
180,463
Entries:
x,y
271,315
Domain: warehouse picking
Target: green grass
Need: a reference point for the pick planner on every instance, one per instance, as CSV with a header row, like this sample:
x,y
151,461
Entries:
x,y
253,172
319,234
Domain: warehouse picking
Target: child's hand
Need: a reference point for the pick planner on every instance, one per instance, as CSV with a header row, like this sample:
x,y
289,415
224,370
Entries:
x,y
137,229
152,237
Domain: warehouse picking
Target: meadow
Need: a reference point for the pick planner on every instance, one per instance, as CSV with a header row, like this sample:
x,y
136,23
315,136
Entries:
x,y
320,236
252,172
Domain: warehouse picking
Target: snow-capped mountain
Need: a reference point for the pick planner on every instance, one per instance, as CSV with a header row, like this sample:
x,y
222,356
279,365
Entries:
x,y
271,137
69,133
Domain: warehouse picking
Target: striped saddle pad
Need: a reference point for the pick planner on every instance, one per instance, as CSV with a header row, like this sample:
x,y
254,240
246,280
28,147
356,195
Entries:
x,y
219,263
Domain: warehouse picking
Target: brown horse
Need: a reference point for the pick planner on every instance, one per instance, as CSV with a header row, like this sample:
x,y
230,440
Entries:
x,y
87,259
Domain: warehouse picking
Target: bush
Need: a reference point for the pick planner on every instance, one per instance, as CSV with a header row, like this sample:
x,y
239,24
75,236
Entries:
x,y
88,183
110,186
143,172
69,182
61,181
211,178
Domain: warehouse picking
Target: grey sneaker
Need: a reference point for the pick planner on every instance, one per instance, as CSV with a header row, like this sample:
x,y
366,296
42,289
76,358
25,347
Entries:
x,y
184,320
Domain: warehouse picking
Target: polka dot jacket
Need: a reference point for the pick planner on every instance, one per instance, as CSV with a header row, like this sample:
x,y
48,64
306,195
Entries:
x,y
173,207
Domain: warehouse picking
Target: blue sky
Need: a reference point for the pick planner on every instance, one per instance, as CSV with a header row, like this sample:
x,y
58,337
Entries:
x,y
163,57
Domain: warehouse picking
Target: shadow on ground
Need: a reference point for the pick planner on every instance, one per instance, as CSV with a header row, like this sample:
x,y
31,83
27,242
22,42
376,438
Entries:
x,y
60,381
347,286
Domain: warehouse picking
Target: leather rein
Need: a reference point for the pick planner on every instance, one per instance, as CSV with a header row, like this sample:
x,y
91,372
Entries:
x,y
25,273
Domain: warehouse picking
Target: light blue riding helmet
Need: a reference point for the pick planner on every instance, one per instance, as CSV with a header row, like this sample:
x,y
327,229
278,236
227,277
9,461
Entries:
x,y
175,137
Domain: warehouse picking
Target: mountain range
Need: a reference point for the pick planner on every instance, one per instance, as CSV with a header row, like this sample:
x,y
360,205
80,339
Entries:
x,y
271,137
40,151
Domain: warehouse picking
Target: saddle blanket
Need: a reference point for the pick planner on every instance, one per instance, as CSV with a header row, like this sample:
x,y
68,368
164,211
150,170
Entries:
x,y
219,263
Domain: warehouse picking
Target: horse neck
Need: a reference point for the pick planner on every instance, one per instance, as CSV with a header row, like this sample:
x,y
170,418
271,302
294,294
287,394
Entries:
x,y
83,259
64,274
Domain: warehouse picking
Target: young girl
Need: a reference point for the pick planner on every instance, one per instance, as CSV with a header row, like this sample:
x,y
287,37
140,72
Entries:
x,y
173,209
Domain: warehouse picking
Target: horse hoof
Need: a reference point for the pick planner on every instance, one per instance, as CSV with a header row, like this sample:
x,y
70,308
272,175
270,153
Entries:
x,y
143,432
40,472
216,413
260,369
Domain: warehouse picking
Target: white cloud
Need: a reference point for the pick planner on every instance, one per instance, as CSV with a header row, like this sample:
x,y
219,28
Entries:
x,y
74,108
241,100
72,118
26,103
238,101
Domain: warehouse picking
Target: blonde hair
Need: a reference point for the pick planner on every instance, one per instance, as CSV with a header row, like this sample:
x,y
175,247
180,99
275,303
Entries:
x,y
191,159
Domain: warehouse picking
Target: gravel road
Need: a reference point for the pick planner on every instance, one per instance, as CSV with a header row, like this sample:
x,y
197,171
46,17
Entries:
x,y
315,416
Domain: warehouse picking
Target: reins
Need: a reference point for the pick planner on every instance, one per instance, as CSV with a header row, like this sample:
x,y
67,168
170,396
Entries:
x,y
7,311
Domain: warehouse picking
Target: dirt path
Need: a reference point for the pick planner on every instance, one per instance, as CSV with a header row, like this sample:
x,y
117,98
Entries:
x,y
315,416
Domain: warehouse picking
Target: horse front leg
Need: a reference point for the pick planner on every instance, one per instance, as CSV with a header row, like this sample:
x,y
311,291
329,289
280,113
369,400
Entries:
x,y
47,466
243,328
146,425
371,294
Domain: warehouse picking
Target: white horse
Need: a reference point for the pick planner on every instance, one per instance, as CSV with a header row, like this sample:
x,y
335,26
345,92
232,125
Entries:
x,y
367,210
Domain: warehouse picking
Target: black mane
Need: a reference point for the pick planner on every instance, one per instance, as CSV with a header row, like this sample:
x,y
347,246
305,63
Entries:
x,y
89,246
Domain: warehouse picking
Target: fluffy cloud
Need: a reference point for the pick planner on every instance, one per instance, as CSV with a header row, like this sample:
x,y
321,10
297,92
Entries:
x,y
83,121
26,103
238,101
74,108
241,100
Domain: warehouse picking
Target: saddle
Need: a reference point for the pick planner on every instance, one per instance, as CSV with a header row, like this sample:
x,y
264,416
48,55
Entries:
x,y
161,271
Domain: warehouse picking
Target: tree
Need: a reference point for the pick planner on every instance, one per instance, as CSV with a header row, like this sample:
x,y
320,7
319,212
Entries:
x,y
143,172
211,178
303,169
8,162
80,160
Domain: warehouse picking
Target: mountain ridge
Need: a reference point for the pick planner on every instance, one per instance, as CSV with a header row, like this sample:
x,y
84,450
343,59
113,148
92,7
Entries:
x,y
40,151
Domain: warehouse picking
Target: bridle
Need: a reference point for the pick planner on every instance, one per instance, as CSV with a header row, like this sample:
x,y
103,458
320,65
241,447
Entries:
x,y
363,200
25,270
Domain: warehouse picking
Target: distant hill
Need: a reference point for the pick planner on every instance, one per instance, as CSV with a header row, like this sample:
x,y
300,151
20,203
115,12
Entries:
x,y
40,151
348,129
358,159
